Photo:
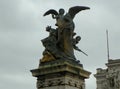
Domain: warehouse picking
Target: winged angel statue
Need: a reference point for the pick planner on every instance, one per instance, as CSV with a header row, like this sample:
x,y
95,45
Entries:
x,y
61,42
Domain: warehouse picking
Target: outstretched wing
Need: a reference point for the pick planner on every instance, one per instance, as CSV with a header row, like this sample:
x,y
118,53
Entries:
x,y
51,11
74,10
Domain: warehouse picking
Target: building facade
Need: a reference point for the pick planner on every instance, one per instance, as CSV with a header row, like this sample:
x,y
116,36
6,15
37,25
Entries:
x,y
109,78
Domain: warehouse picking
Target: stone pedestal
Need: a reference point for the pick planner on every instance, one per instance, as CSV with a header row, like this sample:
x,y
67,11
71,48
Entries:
x,y
60,74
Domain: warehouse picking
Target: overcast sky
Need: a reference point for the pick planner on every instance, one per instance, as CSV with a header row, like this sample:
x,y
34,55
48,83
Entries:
x,y
22,26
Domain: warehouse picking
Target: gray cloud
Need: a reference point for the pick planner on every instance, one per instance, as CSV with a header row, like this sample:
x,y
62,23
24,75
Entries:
x,y
22,26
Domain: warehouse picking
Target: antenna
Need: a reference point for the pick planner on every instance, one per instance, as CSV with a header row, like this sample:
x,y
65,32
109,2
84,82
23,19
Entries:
x,y
107,44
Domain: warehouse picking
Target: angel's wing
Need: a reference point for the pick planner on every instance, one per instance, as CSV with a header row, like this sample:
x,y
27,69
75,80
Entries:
x,y
74,10
51,11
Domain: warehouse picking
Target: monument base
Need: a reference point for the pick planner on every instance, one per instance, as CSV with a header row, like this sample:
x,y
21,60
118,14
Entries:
x,y
60,74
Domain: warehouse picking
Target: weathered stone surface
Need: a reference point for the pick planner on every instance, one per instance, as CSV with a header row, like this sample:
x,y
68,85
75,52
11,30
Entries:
x,y
60,73
109,78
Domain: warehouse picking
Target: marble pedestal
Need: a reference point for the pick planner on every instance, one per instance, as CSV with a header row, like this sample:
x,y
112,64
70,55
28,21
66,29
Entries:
x,y
60,74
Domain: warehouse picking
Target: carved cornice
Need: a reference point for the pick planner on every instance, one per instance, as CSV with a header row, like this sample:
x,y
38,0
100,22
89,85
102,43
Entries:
x,y
60,67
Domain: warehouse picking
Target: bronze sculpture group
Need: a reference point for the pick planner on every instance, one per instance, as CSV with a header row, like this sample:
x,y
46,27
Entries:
x,y
61,42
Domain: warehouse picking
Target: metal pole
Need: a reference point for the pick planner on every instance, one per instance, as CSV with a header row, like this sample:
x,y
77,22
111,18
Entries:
x,y
107,44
